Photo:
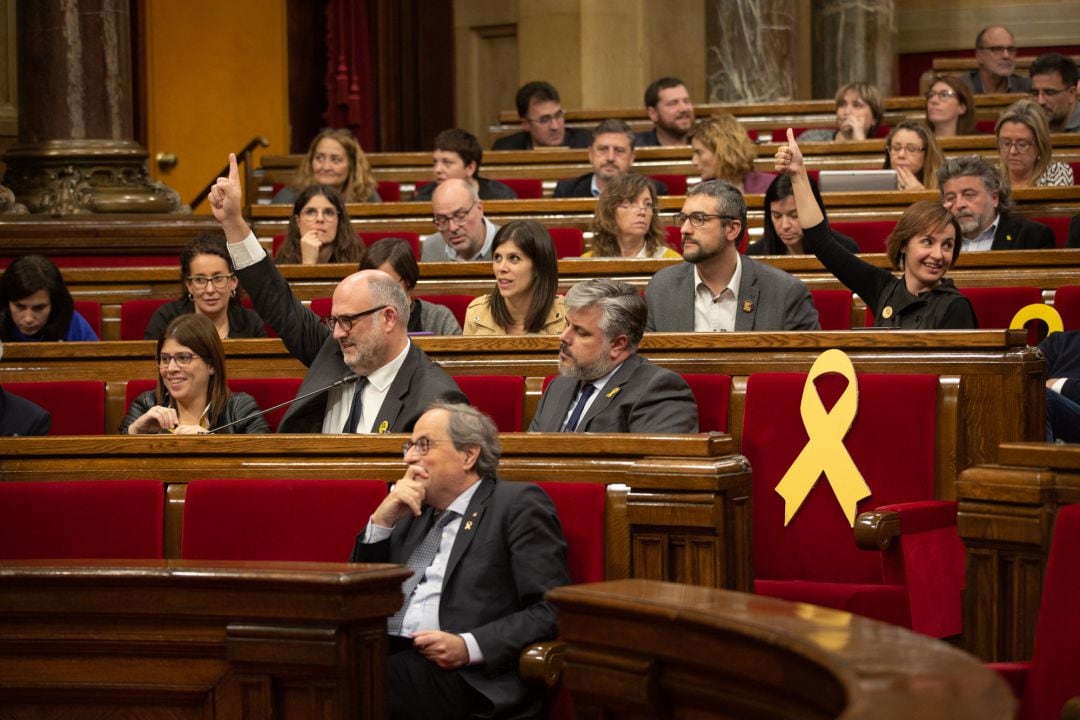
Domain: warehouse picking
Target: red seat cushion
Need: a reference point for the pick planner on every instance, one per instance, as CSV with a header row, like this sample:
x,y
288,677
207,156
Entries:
x,y
1058,223
833,308
581,509
569,242
413,238
135,316
526,188
82,519
77,406
673,233
995,306
303,520
1067,303
870,235
676,184
91,312
389,190
500,396
458,304
712,392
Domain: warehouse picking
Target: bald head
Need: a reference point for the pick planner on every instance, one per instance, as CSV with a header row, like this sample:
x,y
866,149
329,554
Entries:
x,y
459,215
372,319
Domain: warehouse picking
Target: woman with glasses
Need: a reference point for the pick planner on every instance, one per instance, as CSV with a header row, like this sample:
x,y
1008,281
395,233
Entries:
x,y
722,150
526,278
334,158
36,306
208,287
319,231
912,151
1024,142
627,222
782,234
950,107
192,396
924,244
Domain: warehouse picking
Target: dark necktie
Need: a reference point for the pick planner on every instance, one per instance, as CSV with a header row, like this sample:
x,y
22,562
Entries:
x,y
420,560
583,399
357,407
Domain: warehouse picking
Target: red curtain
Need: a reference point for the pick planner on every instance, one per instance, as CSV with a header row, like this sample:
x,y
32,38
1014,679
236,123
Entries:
x,y
348,70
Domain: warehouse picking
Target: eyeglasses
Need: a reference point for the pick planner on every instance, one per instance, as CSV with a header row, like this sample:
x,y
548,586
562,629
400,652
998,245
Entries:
x,y
218,281
346,321
1000,49
698,219
941,94
1050,93
443,221
312,213
1020,146
182,359
423,445
554,117
909,149
643,208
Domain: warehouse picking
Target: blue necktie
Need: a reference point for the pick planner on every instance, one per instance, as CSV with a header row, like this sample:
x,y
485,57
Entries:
x,y
583,400
420,560
357,407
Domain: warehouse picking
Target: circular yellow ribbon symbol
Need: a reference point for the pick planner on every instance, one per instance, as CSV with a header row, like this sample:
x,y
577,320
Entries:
x,y
824,451
1038,311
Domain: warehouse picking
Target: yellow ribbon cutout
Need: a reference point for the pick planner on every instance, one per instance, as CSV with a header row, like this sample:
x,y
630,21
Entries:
x,y
824,451
1038,311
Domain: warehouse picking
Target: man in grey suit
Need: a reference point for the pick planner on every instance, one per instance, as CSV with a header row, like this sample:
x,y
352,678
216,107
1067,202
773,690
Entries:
x,y
717,289
603,384
366,334
464,233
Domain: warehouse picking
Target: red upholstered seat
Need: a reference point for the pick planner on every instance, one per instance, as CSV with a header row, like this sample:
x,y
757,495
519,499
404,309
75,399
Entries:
x,y
77,406
712,392
996,306
674,237
389,190
833,308
870,235
526,188
581,509
91,312
1051,678
135,316
303,520
1059,224
569,242
1067,303
457,304
413,238
676,184
500,396
918,580
321,306
267,392
84,519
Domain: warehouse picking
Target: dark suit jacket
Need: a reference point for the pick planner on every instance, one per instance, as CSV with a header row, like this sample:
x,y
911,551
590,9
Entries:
x,y
418,383
574,138
495,580
769,299
1016,233
19,416
1074,233
582,187
639,398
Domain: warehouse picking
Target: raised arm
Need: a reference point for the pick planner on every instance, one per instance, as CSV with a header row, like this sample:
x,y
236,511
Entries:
x,y
789,161
227,202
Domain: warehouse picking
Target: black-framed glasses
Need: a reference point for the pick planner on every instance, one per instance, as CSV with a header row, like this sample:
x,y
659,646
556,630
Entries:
x,y
181,359
346,321
218,281
443,221
422,445
698,219
1021,146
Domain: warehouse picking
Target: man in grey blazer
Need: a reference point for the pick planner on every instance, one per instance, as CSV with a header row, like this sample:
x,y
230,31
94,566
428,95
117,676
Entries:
x,y
717,289
464,234
604,385
366,334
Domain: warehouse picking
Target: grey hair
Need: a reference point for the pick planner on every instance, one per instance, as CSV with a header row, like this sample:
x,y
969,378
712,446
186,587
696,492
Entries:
x,y
975,166
622,309
729,201
468,427
614,126
385,290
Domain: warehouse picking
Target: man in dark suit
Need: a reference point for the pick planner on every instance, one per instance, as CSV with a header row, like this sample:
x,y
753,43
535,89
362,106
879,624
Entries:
x,y
543,122
973,191
611,154
1062,352
484,552
717,289
604,385
20,417
366,334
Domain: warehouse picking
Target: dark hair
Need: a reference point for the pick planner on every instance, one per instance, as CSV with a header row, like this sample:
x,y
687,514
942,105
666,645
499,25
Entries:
x,y
923,216
198,333
614,126
204,244
976,166
652,93
965,124
624,188
398,253
462,142
779,189
932,156
347,247
1056,62
536,91
535,243
622,308
360,184
25,276
728,200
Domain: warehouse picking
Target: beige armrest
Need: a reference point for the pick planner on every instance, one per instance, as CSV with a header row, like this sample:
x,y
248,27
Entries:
x,y
543,662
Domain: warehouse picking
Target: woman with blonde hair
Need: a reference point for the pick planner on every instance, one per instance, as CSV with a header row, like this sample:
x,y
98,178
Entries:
x,y
1024,143
722,150
859,112
950,107
911,150
334,158
627,221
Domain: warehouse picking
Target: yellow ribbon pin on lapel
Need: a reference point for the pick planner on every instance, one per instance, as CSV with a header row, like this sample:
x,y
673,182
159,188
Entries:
x,y
824,451
383,427
613,393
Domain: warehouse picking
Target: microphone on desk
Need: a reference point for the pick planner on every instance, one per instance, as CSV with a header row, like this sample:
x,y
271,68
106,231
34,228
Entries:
x,y
343,381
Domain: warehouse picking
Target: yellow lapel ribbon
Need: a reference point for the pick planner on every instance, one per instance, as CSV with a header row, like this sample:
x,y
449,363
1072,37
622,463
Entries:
x,y
1038,311
824,451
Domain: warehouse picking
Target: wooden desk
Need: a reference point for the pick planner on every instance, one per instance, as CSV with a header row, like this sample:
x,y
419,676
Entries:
x,y
174,639
646,649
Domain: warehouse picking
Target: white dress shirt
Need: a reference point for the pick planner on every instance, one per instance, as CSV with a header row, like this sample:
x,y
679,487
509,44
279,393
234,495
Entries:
x,y
716,313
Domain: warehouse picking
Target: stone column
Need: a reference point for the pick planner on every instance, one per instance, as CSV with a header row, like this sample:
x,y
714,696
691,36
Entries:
x,y
854,40
76,151
752,50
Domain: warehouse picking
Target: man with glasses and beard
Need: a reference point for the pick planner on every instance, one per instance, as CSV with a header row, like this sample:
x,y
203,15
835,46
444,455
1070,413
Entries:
x,y
543,122
718,289
366,334
604,385
995,51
